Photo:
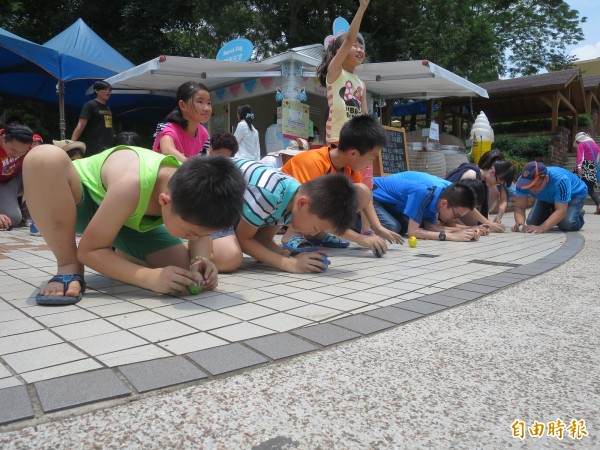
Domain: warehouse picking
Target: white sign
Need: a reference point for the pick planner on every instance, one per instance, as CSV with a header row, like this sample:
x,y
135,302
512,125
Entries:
x,y
434,131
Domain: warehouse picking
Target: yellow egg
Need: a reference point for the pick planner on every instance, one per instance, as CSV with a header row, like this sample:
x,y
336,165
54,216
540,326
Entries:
x,y
412,241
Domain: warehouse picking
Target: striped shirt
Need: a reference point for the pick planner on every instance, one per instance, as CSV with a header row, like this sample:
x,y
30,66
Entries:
x,y
267,194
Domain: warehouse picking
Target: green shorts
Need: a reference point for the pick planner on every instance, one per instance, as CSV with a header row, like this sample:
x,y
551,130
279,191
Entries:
x,y
132,242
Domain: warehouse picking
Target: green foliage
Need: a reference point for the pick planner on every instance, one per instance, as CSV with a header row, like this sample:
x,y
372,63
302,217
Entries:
x,y
523,147
526,126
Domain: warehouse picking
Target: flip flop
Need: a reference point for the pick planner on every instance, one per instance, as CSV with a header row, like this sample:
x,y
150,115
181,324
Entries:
x,y
298,244
330,241
60,300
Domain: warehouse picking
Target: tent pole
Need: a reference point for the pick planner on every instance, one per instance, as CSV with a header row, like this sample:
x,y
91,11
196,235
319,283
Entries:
x,y
61,109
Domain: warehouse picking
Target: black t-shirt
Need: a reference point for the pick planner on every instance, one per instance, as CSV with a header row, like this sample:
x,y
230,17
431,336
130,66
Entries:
x,y
98,133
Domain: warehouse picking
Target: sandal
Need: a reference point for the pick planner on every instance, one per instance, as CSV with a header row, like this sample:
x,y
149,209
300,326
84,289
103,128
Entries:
x,y
298,244
59,300
330,241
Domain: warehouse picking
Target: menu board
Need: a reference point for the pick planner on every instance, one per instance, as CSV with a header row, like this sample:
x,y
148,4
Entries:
x,y
394,156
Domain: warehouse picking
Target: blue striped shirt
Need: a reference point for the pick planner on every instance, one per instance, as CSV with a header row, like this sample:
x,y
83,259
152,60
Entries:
x,y
267,195
562,187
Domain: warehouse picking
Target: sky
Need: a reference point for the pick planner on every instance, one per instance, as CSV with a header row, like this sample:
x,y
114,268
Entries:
x,y
589,48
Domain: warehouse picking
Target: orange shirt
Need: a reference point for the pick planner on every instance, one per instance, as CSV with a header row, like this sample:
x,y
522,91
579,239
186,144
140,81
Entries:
x,y
311,164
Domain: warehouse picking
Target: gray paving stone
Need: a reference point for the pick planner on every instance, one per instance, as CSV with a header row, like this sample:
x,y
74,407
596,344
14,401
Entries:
x,y
496,282
14,404
159,373
227,358
439,298
477,288
326,334
420,306
282,345
462,294
363,324
80,389
395,315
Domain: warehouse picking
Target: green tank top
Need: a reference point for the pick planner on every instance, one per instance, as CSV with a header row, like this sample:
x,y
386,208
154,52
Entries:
x,y
89,171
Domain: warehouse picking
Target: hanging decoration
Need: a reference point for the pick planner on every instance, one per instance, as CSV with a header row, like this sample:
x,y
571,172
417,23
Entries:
x,y
250,85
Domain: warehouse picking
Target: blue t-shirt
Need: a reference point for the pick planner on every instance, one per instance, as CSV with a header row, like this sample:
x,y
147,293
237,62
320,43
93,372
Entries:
x,y
411,194
267,194
562,187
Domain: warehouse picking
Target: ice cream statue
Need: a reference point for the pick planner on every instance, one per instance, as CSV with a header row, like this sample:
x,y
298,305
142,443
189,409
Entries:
x,y
482,136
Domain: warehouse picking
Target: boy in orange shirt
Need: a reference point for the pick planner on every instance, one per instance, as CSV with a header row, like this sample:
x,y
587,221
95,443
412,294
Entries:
x,y
361,139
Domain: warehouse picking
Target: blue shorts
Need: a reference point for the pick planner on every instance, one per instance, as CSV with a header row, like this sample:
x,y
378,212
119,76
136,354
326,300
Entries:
x,y
128,240
223,233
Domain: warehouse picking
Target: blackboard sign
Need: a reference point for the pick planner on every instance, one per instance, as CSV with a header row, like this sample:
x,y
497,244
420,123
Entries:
x,y
394,156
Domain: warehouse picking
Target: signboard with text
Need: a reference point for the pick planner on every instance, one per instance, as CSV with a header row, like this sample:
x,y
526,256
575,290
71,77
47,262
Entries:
x,y
237,50
294,119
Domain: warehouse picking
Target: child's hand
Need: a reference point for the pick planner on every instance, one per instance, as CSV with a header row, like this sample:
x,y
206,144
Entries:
x,y
375,244
208,273
496,227
309,262
173,280
390,236
463,235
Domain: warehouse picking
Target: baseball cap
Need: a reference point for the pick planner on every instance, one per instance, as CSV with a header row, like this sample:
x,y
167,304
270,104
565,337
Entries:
x,y
68,145
295,147
531,174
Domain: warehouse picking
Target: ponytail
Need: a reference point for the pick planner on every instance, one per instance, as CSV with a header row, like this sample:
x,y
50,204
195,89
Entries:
x,y
245,113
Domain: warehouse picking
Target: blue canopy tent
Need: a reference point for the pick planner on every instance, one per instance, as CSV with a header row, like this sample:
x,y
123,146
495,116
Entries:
x,y
61,70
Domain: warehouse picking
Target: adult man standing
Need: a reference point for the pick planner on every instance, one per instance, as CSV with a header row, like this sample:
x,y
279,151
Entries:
x,y
96,118
560,196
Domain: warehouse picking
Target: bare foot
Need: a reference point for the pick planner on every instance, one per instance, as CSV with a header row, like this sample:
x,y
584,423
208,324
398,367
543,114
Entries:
x,y
56,288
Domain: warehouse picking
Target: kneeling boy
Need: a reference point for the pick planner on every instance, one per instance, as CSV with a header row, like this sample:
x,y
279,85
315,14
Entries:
x,y
273,199
121,198
404,205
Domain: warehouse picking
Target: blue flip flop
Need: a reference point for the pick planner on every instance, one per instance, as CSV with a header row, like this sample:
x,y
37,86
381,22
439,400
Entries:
x,y
298,244
330,241
60,300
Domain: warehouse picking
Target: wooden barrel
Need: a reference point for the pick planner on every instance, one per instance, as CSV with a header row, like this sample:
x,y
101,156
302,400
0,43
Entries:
x,y
430,160
455,155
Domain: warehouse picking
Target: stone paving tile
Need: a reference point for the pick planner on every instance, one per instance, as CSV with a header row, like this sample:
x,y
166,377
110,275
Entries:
x,y
462,294
15,404
69,317
281,322
477,288
9,382
19,326
314,312
150,375
420,306
227,358
395,315
82,365
162,331
248,311
137,319
85,329
241,331
280,345
363,324
38,358
27,341
108,343
440,300
326,334
209,320
191,343
219,301
80,389
281,303
131,355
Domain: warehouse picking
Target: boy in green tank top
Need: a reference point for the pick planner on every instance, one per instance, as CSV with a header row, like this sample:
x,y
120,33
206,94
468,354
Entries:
x,y
142,203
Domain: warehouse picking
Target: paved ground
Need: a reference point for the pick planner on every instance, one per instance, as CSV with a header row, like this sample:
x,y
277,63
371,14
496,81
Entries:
x,y
525,348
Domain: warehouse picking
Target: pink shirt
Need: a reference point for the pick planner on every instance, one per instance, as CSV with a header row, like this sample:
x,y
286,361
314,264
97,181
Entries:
x,y
189,146
584,151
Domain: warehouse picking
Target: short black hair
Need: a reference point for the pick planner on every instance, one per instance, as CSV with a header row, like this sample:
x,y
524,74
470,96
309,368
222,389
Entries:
x,y
101,86
128,138
208,192
223,139
459,195
19,133
479,188
362,133
333,198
